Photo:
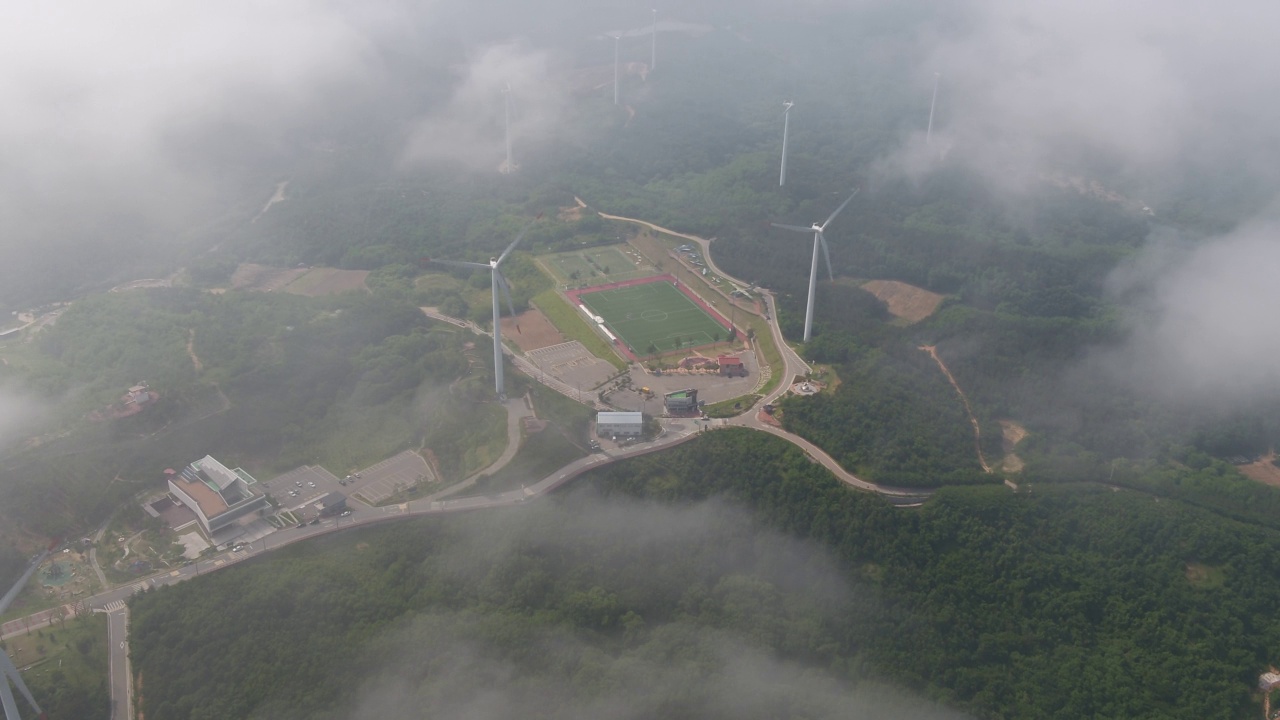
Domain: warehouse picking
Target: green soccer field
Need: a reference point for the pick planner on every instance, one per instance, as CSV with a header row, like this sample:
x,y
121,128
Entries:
x,y
655,313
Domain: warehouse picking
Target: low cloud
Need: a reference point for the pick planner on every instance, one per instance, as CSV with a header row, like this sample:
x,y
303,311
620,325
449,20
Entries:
x,y
469,128
476,664
1200,316
1139,90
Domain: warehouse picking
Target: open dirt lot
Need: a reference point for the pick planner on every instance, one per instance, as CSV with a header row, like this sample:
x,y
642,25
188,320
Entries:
x,y
905,301
536,331
1011,434
251,276
1262,470
327,281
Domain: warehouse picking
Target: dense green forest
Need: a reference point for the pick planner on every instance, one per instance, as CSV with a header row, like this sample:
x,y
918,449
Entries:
x,y
732,565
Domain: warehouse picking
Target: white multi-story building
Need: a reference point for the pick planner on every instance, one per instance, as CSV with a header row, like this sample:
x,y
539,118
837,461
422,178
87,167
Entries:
x,y
218,496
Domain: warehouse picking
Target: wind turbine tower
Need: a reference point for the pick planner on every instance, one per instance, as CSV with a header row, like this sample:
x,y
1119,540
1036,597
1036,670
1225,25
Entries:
x,y
819,240
928,136
786,125
9,674
499,284
616,40
653,52
510,167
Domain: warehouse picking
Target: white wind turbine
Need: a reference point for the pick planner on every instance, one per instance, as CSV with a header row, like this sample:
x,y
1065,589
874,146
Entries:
x,y
928,136
818,240
499,283
786,125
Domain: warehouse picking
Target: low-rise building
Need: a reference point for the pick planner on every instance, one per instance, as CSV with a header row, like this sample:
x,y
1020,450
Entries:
x,y
681,402
731,366
217,495
619,424
330,504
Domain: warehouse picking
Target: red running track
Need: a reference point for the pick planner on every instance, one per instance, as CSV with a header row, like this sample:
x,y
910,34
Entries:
x,y
574,296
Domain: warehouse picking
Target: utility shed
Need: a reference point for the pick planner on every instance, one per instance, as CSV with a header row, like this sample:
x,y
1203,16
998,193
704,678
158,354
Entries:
x,y
619,424
330,504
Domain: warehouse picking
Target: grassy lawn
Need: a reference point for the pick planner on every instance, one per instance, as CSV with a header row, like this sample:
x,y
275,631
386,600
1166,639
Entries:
x,y
569,321
66,667
485,444
726,408
561,442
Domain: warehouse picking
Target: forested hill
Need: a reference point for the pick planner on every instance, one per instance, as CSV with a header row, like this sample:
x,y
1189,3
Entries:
x,y
730,577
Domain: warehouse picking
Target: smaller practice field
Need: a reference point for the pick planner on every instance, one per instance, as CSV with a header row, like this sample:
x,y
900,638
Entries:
x,y
597,265
653,314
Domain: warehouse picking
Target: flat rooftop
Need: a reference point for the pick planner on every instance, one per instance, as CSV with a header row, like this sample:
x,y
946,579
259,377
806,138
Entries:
x,y
210,502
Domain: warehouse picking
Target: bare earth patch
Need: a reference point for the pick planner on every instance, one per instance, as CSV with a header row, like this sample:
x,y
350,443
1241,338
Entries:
x,y
1262,471
1011,434
327,281
535,332
573,213
905,301
251,276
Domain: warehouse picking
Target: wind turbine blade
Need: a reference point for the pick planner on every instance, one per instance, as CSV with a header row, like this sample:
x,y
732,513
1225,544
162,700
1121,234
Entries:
x,y
506,292
516,242
842,207
797,228
826,254
459,263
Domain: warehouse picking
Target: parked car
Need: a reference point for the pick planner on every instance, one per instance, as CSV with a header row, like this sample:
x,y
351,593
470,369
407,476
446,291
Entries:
x,y
346,513
314,521
301,525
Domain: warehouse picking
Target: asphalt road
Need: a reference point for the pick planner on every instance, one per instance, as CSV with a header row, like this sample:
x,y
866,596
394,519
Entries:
x,y
118,663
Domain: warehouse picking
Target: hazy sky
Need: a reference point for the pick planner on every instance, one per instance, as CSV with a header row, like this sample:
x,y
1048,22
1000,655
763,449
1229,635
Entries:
x,y
136,119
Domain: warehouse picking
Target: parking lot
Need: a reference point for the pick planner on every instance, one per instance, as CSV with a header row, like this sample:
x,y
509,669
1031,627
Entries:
x,y
378,482
572,364
297,487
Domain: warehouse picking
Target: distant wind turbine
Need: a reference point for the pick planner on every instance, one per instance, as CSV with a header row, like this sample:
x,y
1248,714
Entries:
x,y
616,40
786,125
928,136
499,284
653,53
510,167
819,240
